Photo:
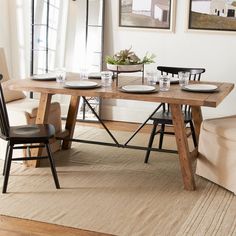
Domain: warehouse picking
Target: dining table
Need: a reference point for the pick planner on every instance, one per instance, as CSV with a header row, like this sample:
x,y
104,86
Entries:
x,y
175,97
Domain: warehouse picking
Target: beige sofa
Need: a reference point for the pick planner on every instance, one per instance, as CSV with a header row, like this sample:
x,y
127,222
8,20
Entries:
x,y
217,148
23,110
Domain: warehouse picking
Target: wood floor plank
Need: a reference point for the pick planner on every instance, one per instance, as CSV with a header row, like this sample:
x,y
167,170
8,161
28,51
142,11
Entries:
x,y
10,226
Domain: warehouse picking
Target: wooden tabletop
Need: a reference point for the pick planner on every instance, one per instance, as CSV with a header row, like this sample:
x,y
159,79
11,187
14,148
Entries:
x,y
175,95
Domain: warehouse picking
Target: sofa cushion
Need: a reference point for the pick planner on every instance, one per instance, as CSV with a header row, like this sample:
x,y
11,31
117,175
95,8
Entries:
x,y
3,65
11,95
224,127
217,161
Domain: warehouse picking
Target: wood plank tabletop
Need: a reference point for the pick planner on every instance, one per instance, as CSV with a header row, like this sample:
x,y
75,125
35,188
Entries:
x,y
175,95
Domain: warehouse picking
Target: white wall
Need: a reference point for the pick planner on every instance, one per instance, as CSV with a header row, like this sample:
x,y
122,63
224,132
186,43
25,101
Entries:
x,y
214,51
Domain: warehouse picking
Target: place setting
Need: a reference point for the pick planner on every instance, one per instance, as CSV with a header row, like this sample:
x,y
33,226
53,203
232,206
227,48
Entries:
x,y
45,77
200,88
149,87
58,75
195,87
138,89
84,83
81,84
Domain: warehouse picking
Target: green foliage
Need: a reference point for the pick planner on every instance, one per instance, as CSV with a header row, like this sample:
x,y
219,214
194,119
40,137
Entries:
x,y
128,57
148,59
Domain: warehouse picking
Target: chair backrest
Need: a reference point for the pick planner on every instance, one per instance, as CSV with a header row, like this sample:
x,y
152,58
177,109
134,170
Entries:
x,y
194,74
4,121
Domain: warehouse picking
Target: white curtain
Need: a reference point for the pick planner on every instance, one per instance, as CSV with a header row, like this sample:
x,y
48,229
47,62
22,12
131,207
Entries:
x,y
20,36
75,58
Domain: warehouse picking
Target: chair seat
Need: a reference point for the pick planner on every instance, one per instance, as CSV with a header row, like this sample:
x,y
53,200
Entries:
x,y
31,133
166,117
224,127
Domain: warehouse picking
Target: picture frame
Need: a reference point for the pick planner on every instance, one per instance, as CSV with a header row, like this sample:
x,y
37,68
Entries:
x,y
212,15
147,14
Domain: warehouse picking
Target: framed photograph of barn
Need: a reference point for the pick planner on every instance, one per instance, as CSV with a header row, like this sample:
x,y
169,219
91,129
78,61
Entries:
x,y
152,14
212,15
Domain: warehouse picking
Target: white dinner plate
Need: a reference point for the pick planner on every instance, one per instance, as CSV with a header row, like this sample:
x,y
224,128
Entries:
x,y
200,88
138,88
45,77
81,84
94,75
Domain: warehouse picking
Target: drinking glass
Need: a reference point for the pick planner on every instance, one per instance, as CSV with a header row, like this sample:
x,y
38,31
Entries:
x,y
106,78
60,75
83,74
183,78
151,77
164,83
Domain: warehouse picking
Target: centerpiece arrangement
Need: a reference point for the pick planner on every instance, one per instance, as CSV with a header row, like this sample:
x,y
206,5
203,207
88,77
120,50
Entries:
x,y
127,61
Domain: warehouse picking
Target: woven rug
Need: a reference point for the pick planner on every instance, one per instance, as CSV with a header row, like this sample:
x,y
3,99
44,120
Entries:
x,y
111,190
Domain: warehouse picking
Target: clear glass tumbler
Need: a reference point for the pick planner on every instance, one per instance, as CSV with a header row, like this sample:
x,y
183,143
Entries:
x,y
106,78
164,83
183,78
60,75
83,74
151,77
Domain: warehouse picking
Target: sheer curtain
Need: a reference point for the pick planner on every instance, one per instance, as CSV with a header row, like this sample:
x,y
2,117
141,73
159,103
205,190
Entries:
x,y
19,21
75,58
20,13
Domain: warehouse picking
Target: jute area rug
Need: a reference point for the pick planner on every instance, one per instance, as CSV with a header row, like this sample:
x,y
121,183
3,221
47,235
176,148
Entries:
x,y
111,190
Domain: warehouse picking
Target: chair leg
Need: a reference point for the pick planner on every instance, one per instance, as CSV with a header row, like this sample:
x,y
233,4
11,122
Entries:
x,y
7,169
150,142
161,135
193,134
53,168
5,161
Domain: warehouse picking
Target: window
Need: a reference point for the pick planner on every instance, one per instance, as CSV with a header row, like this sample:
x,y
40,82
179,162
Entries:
x,y
55,47
45,20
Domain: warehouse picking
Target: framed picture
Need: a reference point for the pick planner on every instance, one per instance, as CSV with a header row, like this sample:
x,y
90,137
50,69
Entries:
x,y
212,15
152,14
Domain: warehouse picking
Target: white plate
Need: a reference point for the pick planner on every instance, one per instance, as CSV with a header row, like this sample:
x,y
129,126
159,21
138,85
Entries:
x,y
138,88
81,84
44,77
94,75
200,87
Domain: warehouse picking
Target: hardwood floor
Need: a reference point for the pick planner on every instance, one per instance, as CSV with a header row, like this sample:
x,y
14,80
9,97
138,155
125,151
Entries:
x,y
10,226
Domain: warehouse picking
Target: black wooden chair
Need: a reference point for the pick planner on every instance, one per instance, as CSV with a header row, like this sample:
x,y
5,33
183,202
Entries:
x,y
164,117
23,137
